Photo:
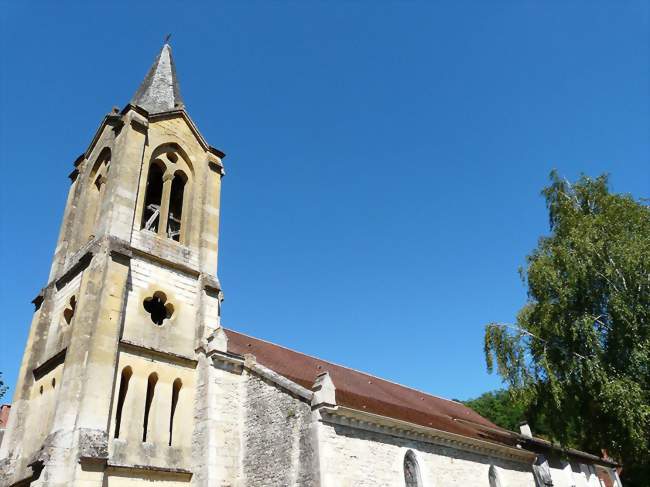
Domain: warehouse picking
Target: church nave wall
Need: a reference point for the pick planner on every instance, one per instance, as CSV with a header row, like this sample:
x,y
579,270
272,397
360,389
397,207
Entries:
x,y
352,457
277,441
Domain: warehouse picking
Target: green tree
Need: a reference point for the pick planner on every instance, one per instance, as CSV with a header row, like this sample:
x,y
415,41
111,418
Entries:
x,y
509,411
500,408
3,387
579,352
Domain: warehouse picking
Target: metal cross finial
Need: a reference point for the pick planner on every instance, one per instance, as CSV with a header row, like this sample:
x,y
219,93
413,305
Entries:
x,y
167,37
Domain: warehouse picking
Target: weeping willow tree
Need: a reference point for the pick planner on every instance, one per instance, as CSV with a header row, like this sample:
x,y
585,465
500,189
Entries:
x,y
579,351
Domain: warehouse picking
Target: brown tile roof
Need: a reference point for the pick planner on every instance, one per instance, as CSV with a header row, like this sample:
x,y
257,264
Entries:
x,y
357,390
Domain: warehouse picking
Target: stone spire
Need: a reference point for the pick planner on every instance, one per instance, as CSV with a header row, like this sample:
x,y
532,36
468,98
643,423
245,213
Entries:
x,y
160,92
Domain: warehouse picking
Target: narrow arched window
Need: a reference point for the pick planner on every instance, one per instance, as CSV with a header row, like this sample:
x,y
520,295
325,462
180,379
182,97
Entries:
x,y
121,397
542,472
176,389
411,470
151,387
153,198
494,477
176,206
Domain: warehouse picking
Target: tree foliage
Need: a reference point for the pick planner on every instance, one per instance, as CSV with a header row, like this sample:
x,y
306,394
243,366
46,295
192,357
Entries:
x,y
509,411
500,408
579,352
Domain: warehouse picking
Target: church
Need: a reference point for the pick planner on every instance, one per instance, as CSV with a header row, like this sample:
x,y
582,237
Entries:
x,y
129,378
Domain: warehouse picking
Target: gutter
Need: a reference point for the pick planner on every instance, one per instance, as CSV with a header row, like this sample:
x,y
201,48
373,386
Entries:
x,y
547,445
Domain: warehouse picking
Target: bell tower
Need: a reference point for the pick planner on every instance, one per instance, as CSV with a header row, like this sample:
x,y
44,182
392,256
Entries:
x,y
107,384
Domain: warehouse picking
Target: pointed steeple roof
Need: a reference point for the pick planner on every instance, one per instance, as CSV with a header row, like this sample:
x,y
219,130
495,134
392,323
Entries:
x,y
160,92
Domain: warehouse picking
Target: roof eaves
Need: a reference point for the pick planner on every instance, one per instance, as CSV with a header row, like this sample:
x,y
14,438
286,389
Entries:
x,y
547,445
544,444
434,435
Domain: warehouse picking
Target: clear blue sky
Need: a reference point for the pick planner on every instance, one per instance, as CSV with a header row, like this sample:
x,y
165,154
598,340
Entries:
x,y
384,159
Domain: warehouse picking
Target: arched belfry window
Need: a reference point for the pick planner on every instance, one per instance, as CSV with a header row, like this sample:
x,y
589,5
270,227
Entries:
x,y
165,207
153,197
175,216
411,470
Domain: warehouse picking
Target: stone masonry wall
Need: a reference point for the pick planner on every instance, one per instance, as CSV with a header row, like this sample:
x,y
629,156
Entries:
x,y
218,419
164,247
177,334
353,457
58,336
276,438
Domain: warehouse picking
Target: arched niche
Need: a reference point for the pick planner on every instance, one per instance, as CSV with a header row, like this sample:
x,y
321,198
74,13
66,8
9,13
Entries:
x,y
94,189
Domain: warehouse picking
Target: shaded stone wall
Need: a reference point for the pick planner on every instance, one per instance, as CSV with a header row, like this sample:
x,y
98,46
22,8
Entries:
x,y
276,438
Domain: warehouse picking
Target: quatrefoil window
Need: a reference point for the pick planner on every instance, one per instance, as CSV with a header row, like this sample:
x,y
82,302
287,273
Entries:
x,y
158,308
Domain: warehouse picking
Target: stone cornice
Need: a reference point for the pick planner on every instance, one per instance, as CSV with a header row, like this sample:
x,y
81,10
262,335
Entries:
x,y
180,112
140,119
79,261
112,119
117,247
224,360
389,426
208,282
182,473
50,364
175,358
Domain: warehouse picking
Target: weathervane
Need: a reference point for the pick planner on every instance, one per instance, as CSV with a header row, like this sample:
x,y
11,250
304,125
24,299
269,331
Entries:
x,y
167,37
